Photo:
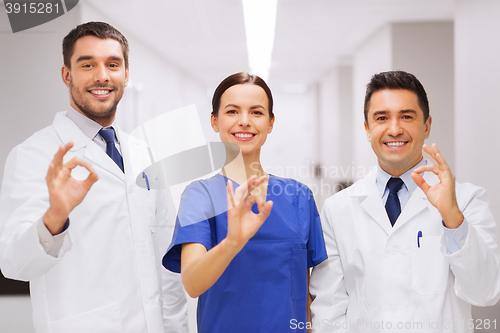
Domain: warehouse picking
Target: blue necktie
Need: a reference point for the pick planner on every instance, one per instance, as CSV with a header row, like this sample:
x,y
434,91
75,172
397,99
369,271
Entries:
x,y
393,206
109,136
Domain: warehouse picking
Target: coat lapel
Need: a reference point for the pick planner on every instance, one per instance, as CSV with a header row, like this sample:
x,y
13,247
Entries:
x,y
366,190
418,201
68,131
373,205
83,146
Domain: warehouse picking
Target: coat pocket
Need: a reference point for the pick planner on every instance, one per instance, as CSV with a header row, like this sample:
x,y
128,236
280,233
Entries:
x,y
102,320
430,268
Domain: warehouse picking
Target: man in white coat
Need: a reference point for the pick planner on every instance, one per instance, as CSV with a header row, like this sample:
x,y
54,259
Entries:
x,y
90,244
406,253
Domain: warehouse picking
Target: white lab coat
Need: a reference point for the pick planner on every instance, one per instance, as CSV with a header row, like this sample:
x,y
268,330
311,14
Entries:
x,y
377,279
108,276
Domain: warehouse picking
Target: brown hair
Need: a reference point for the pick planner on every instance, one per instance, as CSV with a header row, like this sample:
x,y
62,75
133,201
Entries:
x,y
98,29
240,78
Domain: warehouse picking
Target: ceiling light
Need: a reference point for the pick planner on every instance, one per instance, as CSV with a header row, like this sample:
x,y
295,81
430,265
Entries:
x,y
260,22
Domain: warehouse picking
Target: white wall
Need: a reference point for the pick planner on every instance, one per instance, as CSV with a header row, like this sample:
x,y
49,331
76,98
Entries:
x,y
477,100
425,49
335,125
373,56
157,84
477,69
15,314
31,88
291,149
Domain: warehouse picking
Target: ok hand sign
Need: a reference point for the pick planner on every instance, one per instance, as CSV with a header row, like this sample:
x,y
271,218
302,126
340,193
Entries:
x,y
243,224
65,192
442,195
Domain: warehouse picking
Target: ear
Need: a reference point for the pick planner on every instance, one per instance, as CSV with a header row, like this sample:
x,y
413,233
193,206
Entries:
x,y
271,124
428,127
66,75
213,121
126,76
367,130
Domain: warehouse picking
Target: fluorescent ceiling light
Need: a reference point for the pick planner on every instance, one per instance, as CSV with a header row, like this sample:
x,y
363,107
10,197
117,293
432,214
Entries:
x,y
260,22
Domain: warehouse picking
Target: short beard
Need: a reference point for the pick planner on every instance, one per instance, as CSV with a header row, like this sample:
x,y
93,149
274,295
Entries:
x,y
99,117
106,116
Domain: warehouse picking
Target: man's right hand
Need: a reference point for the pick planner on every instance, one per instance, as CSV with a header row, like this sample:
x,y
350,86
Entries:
x,y
65,192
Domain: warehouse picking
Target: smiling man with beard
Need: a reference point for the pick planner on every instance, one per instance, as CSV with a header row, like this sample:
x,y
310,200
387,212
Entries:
x,y
90,246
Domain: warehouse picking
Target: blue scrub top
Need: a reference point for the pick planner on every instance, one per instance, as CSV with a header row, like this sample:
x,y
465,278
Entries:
x,y
265,285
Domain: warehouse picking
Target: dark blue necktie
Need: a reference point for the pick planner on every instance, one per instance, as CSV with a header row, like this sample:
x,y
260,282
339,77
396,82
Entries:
x,y
393,206
109,136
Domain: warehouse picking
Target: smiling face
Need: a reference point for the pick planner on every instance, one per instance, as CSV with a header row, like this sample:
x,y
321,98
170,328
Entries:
x,y
97,78
243,118
396,129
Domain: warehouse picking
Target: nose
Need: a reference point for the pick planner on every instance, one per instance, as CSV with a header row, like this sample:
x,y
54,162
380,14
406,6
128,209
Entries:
x,y
101,74
244,120
395,128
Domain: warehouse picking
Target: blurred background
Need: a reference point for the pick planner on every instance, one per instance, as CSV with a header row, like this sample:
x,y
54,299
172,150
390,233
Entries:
x,y
317,56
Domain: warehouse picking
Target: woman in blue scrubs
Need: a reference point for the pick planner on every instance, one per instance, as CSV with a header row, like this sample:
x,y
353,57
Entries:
x,y
247,256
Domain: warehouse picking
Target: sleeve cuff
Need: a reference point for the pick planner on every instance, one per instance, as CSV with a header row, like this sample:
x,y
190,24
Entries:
x,y
50,243
455,239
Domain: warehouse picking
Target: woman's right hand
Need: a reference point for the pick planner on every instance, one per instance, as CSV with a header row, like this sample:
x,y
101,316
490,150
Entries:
x,y
243,224
200,268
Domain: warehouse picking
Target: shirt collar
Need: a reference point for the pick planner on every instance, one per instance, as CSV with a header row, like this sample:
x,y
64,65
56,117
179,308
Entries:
x,y
89,127
383,177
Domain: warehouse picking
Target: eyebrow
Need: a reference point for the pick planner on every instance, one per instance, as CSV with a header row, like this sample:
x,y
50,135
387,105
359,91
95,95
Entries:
x,y
237,107
382,112
113,58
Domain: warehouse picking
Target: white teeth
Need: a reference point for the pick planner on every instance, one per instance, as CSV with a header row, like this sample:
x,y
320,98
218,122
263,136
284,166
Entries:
x,y
242,135
100,92
395,144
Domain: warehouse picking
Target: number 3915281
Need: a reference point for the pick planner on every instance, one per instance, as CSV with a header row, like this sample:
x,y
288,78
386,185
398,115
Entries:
x,y
32,8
